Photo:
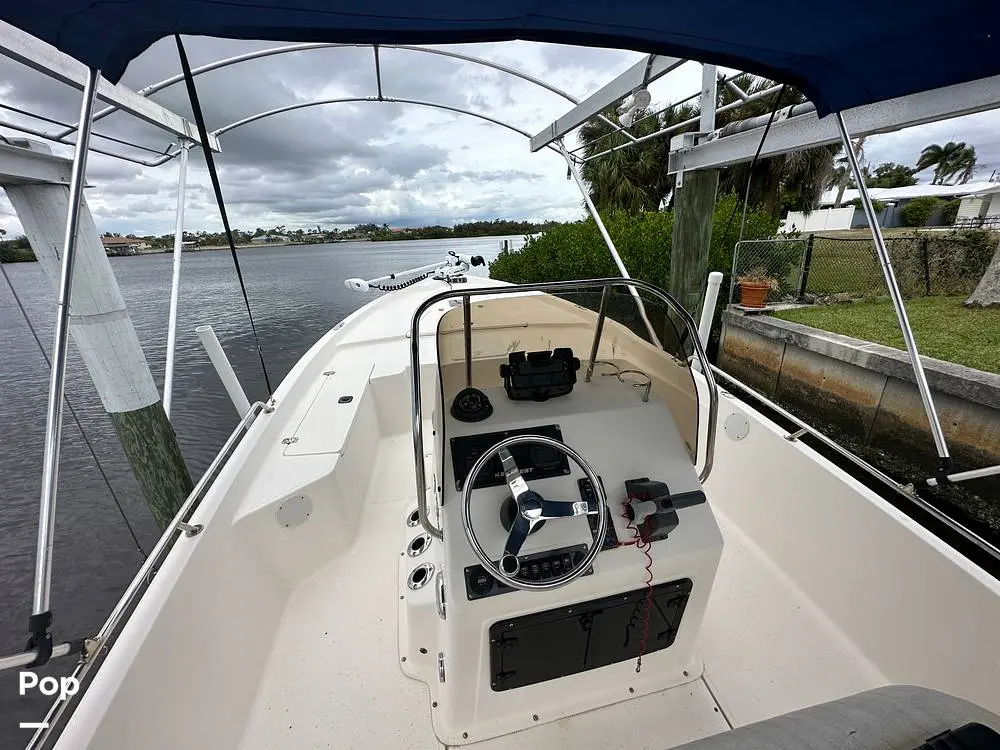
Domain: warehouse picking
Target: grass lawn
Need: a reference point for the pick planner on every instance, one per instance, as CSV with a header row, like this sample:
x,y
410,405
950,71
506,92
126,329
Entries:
x,y
845,267
943,328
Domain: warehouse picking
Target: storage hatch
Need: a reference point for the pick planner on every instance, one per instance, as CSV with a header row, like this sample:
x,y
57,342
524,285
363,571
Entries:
x,y
328,420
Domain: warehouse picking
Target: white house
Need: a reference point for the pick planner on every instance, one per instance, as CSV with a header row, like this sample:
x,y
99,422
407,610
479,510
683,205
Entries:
x,y
980,206
123,245
980,209
269,239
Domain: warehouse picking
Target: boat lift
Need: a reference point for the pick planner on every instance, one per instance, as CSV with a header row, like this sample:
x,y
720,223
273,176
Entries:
x,y
712,149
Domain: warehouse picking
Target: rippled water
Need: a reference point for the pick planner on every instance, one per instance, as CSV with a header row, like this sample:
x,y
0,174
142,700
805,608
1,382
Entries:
x,y
297,295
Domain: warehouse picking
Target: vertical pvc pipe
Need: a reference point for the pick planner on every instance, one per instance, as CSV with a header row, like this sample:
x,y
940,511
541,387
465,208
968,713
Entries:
x,y
896,295
222,366
175,286
708,309
57,380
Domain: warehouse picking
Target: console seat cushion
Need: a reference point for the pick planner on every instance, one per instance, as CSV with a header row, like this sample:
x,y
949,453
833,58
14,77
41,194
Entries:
x,y
895,717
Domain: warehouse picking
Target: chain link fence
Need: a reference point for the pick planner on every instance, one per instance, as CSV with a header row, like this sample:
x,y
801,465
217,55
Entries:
x,y
816,267
779,259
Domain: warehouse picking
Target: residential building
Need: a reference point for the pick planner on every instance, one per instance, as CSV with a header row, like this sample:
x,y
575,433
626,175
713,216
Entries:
x,y
269,239
123,245
979,207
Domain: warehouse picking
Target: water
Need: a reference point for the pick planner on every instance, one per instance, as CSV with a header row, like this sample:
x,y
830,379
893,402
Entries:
x,y
297,295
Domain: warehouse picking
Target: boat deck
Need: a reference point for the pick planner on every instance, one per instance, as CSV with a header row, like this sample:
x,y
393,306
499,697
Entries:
x,y
822,591
333,677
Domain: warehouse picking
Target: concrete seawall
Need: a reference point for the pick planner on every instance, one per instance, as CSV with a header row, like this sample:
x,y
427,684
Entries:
x,y
867,391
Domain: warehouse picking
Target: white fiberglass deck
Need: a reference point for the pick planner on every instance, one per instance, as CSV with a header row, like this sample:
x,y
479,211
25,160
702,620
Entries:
x,y
333,677
279,626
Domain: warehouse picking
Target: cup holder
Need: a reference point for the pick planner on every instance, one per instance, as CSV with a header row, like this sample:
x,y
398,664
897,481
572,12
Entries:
x,y
420,576
413,518
418,545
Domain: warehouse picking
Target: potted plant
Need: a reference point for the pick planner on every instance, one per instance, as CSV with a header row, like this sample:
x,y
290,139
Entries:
x,y
754,287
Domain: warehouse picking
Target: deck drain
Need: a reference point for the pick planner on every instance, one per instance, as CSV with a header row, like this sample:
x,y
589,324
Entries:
x,y
420,576
418,545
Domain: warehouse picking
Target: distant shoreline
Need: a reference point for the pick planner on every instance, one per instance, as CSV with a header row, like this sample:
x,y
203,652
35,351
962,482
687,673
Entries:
x,y
13,257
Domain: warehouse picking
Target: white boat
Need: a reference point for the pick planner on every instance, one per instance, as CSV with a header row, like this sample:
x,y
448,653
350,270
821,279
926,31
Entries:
x,y
495,516
313,609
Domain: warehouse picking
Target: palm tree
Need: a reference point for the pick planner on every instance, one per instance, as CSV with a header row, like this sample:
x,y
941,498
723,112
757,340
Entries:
x,y
950,160
795,180
936,156
841,177
632,179
962,165
635,179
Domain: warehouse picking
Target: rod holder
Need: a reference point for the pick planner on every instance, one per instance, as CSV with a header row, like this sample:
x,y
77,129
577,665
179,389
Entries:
x,y
708,309
225,370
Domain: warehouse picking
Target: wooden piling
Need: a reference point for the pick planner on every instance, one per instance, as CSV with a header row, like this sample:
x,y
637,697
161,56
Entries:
x,y
694,209
106,339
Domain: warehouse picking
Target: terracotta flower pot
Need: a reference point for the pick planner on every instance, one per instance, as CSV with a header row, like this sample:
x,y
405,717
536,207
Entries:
x,y
753,295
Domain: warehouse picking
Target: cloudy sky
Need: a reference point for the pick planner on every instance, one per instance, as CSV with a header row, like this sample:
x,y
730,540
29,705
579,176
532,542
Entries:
x,y
351,163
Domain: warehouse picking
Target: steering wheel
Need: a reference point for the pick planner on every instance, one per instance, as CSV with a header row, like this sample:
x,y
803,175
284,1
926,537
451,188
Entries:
x,y
532,509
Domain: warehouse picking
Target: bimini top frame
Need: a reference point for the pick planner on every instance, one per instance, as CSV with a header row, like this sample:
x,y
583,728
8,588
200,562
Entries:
x,y
19,46
37,55
634,285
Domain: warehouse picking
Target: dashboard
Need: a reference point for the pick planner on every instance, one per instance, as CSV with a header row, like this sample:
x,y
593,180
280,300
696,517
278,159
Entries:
x,y
621,436
534,461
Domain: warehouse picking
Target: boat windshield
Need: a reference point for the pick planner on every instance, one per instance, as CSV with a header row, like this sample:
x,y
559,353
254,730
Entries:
x,y
647,346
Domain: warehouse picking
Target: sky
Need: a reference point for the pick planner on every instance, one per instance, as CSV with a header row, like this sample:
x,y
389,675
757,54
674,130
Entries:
x,y
344,164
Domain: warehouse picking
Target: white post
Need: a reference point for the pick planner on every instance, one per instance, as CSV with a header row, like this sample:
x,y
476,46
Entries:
x,y
708,309
709,98
222,366
175,287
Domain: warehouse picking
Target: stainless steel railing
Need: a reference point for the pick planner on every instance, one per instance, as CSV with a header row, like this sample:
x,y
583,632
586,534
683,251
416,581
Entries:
x,y
96,645
546,287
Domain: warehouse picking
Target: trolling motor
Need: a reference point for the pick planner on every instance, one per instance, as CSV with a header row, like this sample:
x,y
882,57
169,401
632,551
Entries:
x,y
451,270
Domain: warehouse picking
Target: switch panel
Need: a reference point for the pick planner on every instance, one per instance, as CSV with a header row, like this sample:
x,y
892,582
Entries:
x,y
538,566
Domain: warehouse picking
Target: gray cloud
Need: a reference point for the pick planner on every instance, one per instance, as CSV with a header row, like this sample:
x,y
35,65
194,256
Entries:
x,y
980,130
344,163
383,162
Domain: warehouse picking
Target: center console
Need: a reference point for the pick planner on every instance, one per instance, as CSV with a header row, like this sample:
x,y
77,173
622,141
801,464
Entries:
x,y
507,658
